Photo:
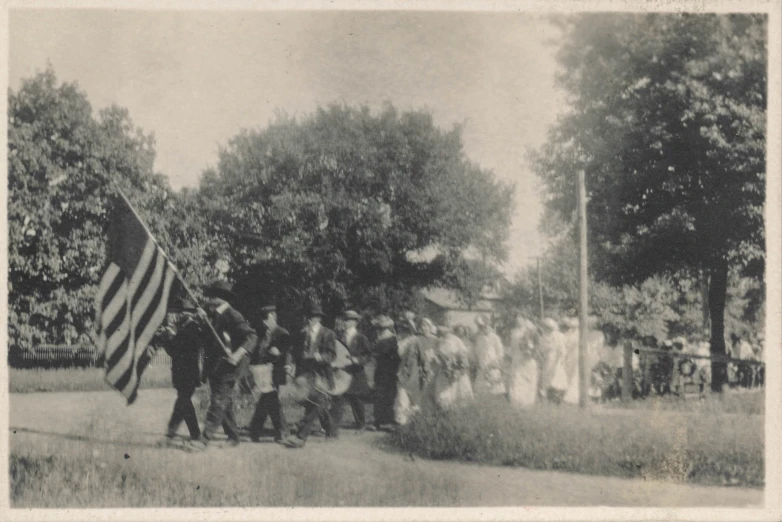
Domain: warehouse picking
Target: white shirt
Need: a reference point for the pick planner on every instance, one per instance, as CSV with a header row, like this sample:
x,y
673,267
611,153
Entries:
x,y
314,329
350,333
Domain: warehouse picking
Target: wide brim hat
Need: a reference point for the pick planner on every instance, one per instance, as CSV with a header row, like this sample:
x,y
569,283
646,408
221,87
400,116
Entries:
x,y
383,321
221,289
351,315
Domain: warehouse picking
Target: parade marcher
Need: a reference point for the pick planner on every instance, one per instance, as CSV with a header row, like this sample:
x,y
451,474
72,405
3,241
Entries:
x,y
386,354
413,371
490,355
269,366
314,354
451,385
361,354
553,380
524,372
183,337
224,366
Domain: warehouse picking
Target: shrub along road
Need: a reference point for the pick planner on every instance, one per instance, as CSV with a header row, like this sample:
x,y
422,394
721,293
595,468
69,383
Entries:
x,y
57,437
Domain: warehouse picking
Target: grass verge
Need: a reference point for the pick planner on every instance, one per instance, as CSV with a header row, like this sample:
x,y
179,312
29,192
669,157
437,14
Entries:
x,y
684,448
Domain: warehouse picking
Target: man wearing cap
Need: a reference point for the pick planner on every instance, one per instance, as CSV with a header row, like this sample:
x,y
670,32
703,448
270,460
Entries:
x,y
268,368
314,354
360,355
225,363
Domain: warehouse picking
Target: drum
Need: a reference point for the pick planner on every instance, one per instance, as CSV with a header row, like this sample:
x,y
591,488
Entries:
x,y
305,386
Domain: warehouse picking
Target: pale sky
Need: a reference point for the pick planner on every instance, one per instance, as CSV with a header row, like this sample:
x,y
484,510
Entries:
x,y
195,79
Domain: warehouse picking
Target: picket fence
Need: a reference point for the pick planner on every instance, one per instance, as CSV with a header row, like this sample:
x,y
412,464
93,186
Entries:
x,y
66,356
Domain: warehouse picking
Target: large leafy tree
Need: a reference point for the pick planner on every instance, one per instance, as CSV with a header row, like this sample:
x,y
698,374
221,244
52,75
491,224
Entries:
x,y
62,160
350,207
668,123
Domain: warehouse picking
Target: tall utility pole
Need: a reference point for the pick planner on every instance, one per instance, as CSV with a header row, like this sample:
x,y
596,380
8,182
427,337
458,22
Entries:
x,y
583,301
540,291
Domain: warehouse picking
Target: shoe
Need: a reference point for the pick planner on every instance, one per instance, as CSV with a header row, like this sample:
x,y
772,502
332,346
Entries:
x,y
371,428
171,442
194,446
294,442
320,432
231,443
255,439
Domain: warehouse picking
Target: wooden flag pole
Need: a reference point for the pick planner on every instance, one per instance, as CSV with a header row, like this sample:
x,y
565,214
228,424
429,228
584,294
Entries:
x,y
170,264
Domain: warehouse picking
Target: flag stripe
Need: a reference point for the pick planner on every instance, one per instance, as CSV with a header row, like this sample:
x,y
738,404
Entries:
x,y
113,280
149,271
145,305
158,309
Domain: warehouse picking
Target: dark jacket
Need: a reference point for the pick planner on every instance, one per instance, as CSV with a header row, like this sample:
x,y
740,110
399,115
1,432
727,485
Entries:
x,y
359,348
278,338
386,352
305,351
183,338
236,333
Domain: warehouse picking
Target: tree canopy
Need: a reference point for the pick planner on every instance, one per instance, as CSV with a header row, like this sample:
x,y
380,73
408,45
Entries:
x,y
668,124
344,203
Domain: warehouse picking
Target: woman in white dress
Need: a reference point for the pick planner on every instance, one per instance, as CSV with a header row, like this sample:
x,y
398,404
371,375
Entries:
x,y
490,354
452,378
525,372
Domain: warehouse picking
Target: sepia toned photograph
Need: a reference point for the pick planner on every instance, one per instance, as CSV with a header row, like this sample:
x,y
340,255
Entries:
x,y
331,257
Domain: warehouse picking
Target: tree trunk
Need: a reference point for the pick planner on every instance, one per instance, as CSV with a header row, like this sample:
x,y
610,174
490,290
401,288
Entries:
x,y
705,310
718,291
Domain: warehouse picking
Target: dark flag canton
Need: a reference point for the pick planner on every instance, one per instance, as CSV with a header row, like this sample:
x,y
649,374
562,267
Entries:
x,y
132,300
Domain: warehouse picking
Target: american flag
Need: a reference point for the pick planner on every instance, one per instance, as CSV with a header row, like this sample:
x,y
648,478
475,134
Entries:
x,y
132,300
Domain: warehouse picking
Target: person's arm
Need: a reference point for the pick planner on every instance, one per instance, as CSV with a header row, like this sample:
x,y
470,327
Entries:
x,y
363,353
328,350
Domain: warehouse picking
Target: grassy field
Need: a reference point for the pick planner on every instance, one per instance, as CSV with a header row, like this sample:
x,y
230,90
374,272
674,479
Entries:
x,y
679,446
77,379
90,450
743,402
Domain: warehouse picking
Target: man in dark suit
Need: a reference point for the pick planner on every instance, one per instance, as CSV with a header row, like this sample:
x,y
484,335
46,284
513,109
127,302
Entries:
x,y
268,367
314,354
360,355
225,363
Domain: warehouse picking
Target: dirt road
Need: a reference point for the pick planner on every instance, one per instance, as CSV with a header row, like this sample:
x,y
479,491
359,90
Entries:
x,y
40,418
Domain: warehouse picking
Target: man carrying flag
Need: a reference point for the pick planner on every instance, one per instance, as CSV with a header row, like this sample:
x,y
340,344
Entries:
x,y
132,299
224,364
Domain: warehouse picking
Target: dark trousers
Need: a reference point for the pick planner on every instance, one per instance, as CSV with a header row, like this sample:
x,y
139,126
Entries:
x,y
317,408
269,405
221,408
385,396
356,405
184,411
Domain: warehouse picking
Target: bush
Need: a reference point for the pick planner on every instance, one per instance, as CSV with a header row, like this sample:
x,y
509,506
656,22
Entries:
x,y
683,448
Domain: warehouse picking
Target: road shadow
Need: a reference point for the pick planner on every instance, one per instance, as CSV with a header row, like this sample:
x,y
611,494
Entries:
x,y
83,438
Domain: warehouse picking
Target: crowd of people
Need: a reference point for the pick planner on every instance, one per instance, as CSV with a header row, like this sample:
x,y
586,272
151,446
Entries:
x,y
407,365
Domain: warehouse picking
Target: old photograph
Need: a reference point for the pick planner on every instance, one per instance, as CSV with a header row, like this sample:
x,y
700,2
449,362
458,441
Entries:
x,y
328,257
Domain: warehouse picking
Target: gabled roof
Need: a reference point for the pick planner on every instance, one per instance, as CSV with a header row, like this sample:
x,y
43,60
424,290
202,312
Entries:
x,y
450,300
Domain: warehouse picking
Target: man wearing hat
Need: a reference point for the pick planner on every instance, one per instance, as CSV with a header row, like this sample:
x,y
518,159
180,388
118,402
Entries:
x,y
360,355
314,354
386,352
183,338
268,367
225,363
